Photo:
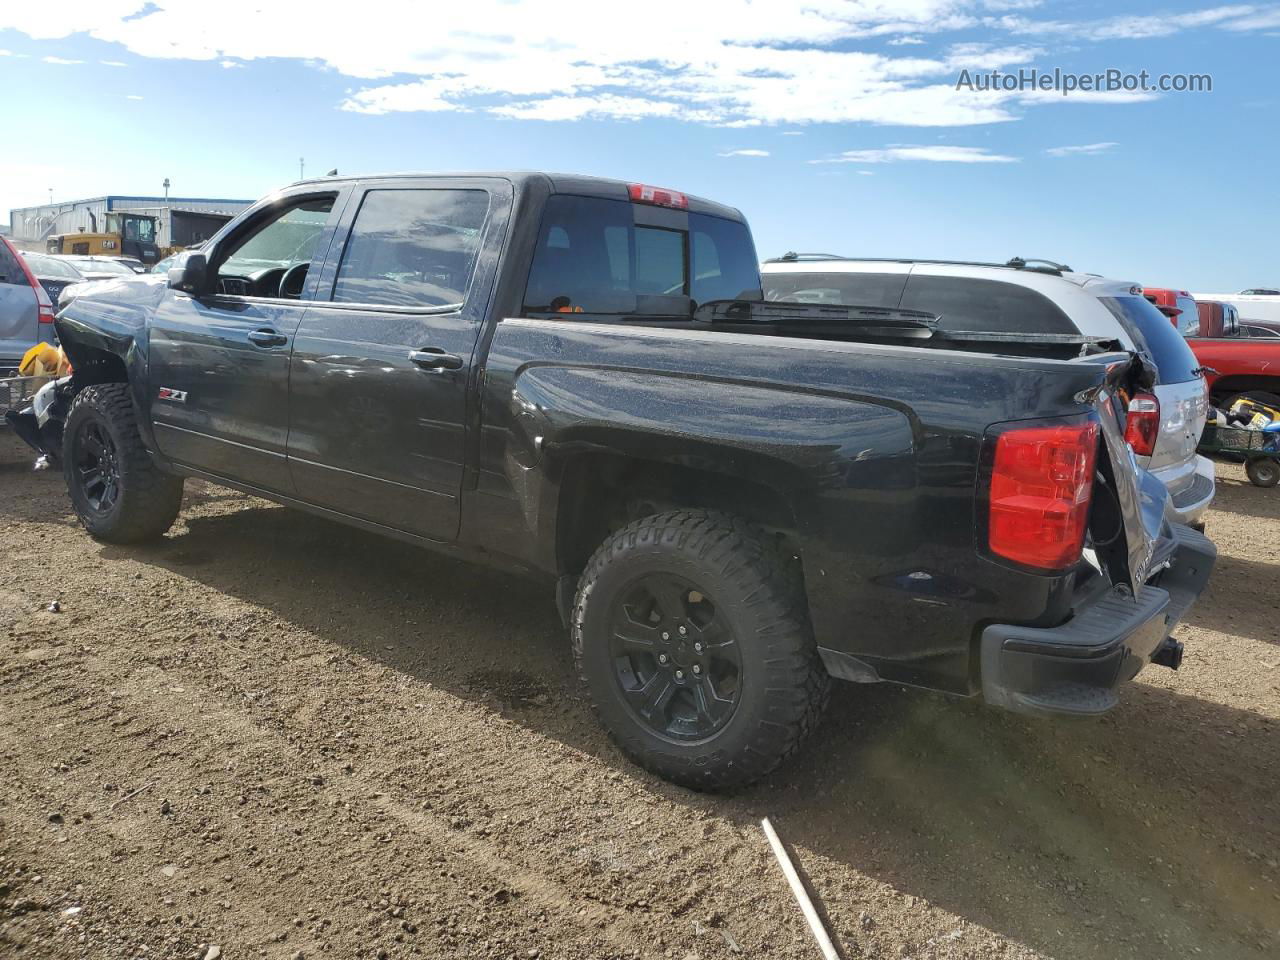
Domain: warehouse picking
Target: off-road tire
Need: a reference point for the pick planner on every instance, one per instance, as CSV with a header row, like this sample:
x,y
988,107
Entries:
x,y
784,686
148,499
1263,471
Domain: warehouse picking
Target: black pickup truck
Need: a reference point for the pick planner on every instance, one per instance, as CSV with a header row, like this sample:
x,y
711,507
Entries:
x,y
733,501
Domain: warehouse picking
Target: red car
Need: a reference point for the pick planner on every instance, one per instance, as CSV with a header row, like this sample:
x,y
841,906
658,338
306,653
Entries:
x,y
1218,319
1178,306
1237,366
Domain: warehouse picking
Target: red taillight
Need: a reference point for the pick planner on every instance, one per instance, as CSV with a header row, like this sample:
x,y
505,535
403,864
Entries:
x,y
1041,484
44,306
1142,426
640,193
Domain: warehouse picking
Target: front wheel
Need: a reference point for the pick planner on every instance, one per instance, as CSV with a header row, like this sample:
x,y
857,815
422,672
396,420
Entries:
x,y
696,649
1263,471
117,490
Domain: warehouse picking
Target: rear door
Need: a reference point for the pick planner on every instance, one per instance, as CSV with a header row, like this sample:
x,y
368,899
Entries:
x,y
383,359
19,314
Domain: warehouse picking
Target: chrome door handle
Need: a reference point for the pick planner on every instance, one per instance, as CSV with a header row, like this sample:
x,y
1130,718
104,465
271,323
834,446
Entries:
x,y
434,358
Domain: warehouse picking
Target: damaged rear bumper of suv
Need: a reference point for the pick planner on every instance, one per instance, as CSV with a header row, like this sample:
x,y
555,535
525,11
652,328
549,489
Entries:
x,y
1076,669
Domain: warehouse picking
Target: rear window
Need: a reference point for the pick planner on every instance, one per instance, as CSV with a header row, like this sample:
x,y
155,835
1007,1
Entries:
x,y
10,270
1152,330
853,289
593,257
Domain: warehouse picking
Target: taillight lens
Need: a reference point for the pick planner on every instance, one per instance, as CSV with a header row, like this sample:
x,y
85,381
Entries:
x,y
1041,484
1142,425
44,306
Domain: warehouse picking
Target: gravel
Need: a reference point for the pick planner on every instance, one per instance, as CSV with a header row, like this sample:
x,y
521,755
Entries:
x,y
359,749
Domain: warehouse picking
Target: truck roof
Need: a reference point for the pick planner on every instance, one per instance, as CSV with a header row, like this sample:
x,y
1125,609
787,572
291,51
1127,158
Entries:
x,y
577,184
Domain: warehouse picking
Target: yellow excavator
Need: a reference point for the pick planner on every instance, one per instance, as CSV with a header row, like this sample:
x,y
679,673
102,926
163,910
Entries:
x,y
122,235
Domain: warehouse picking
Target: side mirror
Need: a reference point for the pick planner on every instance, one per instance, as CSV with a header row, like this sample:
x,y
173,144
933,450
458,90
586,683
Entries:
x,y
189,273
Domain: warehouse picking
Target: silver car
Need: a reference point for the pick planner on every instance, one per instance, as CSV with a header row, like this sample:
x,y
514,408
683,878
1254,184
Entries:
x,y
1039,297
26,313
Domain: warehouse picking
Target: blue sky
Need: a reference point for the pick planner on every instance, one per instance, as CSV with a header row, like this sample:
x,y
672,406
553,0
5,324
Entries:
x,y
856,140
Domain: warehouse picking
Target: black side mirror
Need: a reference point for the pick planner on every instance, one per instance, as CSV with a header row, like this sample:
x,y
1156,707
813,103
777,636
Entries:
x,y
189,273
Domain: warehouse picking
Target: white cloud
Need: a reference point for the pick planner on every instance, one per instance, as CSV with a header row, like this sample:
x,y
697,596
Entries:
x,y
1130,27
6,53
61,61
1260,20
1087,149
749,152
792,133
133,96
733,63
113,63
934,154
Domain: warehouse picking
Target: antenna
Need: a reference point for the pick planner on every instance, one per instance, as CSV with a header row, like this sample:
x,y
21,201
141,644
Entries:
x,y
302,166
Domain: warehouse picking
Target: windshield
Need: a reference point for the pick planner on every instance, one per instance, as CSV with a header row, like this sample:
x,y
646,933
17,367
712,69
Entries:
x,y
139,228
51,267
1152,330
602,256
1189,318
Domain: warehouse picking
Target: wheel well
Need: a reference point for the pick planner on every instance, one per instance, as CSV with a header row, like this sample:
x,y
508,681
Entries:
x,y
1225,387
601,493
92,365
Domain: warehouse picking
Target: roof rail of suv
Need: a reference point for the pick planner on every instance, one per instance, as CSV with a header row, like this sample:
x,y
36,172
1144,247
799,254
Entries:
x,y
791,257
1016,263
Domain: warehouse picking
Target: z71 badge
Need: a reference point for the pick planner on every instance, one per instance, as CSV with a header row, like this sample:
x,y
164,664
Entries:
x,y
172,395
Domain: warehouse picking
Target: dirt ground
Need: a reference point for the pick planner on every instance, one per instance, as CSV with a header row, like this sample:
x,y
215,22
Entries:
x,y
272,736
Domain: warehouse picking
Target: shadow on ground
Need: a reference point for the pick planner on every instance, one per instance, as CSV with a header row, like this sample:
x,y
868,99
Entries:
x,y
1155,826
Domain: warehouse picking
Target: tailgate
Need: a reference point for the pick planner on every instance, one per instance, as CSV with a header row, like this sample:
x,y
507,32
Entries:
x,y
1130,555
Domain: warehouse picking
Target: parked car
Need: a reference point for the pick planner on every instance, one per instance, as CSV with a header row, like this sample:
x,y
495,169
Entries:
x,y
1256,303
1239,367
133,263
1218,319
1038,297
96,268
54,273
1179,306
26,312
730,499
1259,329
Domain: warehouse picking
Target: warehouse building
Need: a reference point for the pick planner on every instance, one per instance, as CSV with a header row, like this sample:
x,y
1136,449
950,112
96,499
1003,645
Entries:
x,y
180,221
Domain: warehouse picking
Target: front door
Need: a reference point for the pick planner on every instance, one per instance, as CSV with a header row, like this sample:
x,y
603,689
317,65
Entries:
x,y
380,367
220,361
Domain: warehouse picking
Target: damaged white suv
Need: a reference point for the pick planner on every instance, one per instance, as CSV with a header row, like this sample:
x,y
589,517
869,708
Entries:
x,y
1037,297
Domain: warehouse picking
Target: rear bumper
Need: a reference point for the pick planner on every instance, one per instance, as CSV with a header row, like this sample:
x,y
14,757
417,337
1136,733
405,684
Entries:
x,y
1189,504
1075,669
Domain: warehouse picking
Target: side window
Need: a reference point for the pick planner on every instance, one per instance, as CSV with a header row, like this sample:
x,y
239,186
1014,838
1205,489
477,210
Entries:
x,y
850,289
412,248
989,306
272,259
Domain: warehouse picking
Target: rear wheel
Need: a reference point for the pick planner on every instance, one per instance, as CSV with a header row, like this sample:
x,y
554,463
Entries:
x,y
696,650
1263,471
118,492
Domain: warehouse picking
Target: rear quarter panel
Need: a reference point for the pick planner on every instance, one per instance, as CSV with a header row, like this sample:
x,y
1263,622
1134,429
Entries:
x,y
874,448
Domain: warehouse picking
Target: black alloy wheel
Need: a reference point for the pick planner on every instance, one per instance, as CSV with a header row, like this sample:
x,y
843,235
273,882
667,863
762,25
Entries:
x,y
675,658
97,465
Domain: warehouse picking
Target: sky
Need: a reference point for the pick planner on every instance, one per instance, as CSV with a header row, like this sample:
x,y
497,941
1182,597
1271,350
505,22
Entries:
x,y
834,125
